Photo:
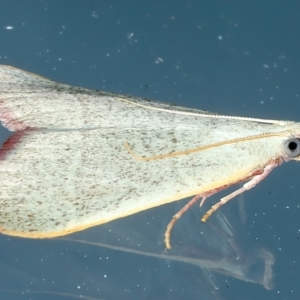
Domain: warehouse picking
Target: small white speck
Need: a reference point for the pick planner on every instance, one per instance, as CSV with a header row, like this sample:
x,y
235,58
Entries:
x,y
9,27
220,37
94,14
130,35
266,66
104,276
159,60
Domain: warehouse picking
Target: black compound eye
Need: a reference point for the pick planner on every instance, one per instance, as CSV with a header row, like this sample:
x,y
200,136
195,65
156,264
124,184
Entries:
x,y
292,147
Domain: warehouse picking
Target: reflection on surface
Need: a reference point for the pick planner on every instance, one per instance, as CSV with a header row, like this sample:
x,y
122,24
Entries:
x,y
126,259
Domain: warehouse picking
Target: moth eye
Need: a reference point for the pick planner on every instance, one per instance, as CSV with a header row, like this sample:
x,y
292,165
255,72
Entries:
x,y
292,147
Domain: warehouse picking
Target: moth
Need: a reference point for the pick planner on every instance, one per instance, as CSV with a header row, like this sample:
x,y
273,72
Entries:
x,y
79,158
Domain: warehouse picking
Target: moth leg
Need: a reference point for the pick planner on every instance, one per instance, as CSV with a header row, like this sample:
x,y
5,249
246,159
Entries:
x,y
203,200
185,208
247,186
176,217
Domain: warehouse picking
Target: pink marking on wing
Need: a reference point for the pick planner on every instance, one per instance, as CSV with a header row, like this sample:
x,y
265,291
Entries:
x,y
11,142
8,118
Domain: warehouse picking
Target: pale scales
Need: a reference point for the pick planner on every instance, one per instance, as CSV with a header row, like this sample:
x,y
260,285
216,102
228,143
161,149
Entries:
x,y
75,159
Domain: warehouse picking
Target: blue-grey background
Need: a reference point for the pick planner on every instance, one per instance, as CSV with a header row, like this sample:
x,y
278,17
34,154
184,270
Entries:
x,y
233,57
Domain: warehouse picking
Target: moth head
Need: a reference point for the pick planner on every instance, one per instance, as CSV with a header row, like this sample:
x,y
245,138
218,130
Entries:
x,y
292,148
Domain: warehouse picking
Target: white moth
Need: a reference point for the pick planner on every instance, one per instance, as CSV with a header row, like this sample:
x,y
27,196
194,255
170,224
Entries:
x,y
80,158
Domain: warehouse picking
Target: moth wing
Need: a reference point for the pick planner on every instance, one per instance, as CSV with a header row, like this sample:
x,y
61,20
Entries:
x,y
65,167
30,100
